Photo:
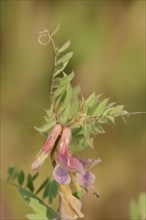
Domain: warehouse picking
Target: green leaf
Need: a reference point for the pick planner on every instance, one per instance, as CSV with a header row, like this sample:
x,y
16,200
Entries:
x,y
59,91
49,111
64,116
90,98
74,106
102,120
30,182
86,131
36,217
35,176
116,109
64,47
60,99
78,142
21,177
46,127
111,118
46,191
100,108
65,58
42,185
67,79
11,171
56,82
53,190
78,145
98,128
120,113
92,107
89,142
67,98
62,63
37,205
56,30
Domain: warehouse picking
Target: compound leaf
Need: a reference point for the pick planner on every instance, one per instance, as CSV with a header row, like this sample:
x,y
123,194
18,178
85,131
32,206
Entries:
x,y
37,205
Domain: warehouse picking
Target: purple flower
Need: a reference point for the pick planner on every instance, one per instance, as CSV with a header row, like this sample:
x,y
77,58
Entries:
x,y
44,152
69,163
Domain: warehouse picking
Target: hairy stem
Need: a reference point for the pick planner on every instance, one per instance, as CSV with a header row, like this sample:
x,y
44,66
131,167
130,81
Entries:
x,y
54,66
135,113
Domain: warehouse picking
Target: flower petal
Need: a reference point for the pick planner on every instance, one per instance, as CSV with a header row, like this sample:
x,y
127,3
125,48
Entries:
x,y
64,146
85,179
41,157
61,175
66,136
63,160
52,138
75,165
89,163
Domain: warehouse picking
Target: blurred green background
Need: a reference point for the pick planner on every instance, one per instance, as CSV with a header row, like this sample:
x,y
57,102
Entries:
x,y
108,40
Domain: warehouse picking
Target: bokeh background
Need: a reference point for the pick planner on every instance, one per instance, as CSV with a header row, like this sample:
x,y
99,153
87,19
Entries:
x,y
108,40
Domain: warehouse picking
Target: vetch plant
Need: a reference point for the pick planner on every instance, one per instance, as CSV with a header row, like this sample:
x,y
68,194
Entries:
x,y
71,125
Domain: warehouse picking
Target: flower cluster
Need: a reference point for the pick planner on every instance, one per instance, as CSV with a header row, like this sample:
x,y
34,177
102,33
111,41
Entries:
x,y
68,169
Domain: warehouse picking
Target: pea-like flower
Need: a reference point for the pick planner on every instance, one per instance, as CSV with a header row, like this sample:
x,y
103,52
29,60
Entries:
x,y
45,150
68,163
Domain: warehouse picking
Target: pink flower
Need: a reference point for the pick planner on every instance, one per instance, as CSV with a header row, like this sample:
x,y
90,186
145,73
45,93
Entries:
x,y
45,150
69,163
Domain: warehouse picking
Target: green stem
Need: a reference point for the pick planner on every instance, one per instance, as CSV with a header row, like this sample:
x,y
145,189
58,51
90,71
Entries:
x,y
135,113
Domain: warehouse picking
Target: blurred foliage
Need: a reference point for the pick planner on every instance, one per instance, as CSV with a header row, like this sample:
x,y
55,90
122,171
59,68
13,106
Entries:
x,y
138,208
108,40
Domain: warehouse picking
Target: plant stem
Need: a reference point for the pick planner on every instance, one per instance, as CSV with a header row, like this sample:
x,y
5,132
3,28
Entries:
x,y
135,113
54,66
46,33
